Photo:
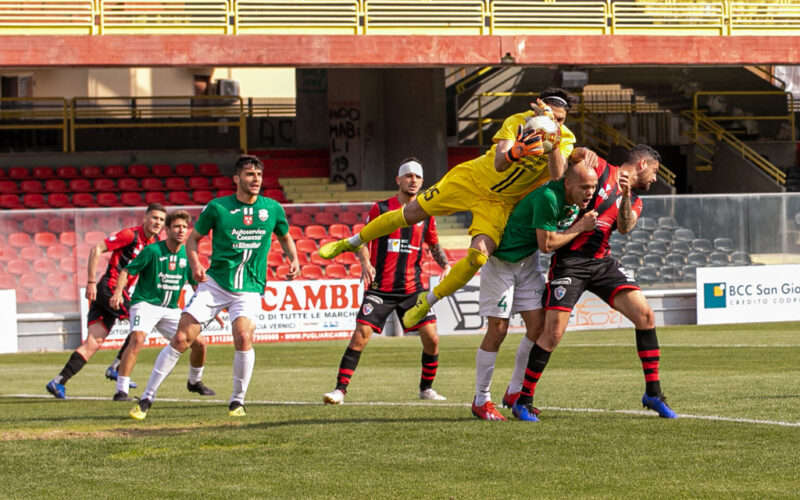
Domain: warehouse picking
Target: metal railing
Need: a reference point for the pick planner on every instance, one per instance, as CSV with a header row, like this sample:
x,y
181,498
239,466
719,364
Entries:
x,y
443,17
35,113
788,117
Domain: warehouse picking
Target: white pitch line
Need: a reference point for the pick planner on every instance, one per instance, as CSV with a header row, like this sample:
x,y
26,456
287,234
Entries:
x,y
715,418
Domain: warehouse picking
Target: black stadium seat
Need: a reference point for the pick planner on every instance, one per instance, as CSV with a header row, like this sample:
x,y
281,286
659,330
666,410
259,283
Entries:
x,y
740,258
719,259
657,247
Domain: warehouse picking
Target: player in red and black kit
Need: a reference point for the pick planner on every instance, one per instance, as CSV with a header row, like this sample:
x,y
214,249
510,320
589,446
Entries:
x,y
391,269
125,245
586,264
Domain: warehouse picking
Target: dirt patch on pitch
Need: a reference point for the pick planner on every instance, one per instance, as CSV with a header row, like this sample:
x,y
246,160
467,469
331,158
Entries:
x,y
105,434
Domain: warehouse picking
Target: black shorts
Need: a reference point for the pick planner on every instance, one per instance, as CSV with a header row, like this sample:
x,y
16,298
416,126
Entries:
x,y
377,306
570,276
100,310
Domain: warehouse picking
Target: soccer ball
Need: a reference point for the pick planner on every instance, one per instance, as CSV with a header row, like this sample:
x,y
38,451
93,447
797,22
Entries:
x,y
547,128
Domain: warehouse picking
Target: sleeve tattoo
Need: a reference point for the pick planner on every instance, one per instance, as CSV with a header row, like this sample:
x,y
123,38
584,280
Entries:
x,y
438,254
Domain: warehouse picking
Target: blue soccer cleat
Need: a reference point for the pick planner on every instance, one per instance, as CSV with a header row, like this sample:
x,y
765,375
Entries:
x,y
659,405
112,374
524,412
56,389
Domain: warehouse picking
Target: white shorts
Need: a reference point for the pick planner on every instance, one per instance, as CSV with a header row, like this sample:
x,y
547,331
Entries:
x,y
508,288
210,298
145,316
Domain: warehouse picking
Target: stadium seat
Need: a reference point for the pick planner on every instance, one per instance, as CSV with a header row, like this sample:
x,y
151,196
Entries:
x,y
675,259
152,184
702,245
325,218
43,293
204,246
697,259
115,171
108,200
310,209
339,231
681,246
355,271
281,272
33,225
667,223
358,227
349,218
658,247
274,259
45,239
18,267
43,173
221,182
201,197
128,184
59,200
311,272
635,248
647,224
104,184
8,253
91,172
67,265
224,192
316,232
94,237
276,194
653,260
300,219
296,232
59,224
180,198
185,170
83,200
616,248
204,261
19,173
56,186
161,170
640,235
67,172
347,259
306,245
68,238
719,259
723,244
740,258
270,182
683,234
175,184
199,183
20,240
44,266
68,292
9,187
57,251
208,169
31,186
335,271
663,235
275,246
2,172
631,261
131,199
34,200
139,171
155,197
80,185
689,272
7,282
670,274
647,275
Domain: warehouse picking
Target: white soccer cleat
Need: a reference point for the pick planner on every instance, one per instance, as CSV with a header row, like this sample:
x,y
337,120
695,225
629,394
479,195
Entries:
x,y
333,398
431,395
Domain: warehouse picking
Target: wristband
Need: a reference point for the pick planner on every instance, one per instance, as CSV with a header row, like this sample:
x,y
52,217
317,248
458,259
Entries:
x,y
90,282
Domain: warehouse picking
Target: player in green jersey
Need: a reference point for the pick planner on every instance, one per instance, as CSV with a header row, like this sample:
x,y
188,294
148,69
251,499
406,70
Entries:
x,y
512,280
242,225
163,270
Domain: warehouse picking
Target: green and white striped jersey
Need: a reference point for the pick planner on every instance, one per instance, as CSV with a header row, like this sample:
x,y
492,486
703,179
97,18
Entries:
x,y
162,275
241,239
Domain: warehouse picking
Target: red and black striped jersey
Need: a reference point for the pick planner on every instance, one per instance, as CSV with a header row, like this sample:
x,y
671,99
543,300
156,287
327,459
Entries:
x,y
124,245
397,257
605,202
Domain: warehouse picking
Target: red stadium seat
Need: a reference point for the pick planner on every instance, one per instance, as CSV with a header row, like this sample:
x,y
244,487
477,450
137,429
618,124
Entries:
x,y
155,197
22,296
33,225
80,185
68,292
68,238
115,171
43,173
2,172
175,184
221,182
355,270
128,184
59,224
18,267
335,271
58,251
91,172
357,228
83,200
56,186
204,260
67,172
31,186
202,197
59,200
316,232
67,265
8,253
347,259
94,237
31,253
316,259
19,173
108,200
270,182
185,170
301,219
180,198
296,232
7,282
274,259
275,246
199,183
44,266
152,184
306,246
161,170
34,200
275,194
131,199
9,187
20,240
339,231
349,218
281,272
45,239
43,293
208,169
139,171
104,184
325,218
311,272
204,246
10,201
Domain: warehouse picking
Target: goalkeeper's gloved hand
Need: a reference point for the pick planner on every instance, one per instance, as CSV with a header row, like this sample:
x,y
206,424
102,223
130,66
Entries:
x,y
540,108
526,144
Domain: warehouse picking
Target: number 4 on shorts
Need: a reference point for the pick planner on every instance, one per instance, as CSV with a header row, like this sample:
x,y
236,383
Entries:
x,y
502,303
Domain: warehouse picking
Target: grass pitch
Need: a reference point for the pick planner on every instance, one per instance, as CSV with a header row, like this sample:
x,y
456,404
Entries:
x,y
736,389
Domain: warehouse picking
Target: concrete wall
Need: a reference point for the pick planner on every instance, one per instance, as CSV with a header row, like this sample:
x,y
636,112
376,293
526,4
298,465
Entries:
x,y
731,174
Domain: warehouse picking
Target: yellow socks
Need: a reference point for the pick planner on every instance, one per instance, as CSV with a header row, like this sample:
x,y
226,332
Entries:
x,y
461,273
382,225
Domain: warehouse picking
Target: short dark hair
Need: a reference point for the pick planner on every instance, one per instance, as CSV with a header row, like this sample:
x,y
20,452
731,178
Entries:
x,y
245,160
155,206
642,151
560,98
178,214
410,158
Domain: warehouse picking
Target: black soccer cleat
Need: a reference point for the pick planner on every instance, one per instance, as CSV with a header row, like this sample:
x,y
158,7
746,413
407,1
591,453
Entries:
x,y
200,388
121,396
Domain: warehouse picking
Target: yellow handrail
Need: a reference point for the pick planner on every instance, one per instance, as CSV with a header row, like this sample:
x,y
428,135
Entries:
x,y
787,95
20,110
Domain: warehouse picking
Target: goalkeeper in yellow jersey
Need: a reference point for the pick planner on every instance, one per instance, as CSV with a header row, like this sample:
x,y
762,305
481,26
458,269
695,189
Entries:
x,y
489,187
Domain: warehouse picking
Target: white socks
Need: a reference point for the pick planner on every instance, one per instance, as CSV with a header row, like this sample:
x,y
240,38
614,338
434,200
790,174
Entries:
x,y
243,362
355,240
166,361
123,384
520,364
195,374
432,298
484,368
